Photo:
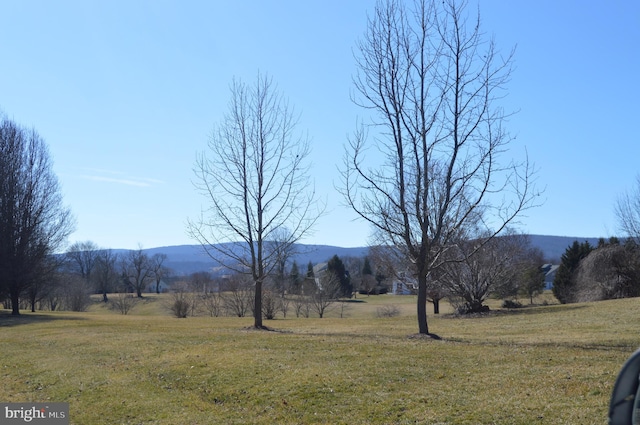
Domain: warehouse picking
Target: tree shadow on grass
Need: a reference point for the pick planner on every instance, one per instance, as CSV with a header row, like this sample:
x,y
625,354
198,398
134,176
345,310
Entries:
x,y
525,310
8,320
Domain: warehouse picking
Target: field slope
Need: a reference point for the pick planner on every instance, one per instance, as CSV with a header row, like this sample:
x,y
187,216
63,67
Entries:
x,y
543,365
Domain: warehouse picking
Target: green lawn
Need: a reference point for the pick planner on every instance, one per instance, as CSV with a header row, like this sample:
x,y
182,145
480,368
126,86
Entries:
x,y
542,365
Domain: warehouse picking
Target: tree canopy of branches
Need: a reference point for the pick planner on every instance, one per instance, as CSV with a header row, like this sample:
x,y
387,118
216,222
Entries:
x,y
255,179
487,267
627,210
81,258
137,270
105,275
34,223
431,82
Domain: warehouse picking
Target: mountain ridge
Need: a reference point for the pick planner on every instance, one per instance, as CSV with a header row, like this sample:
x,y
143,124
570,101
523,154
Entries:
x,y
187,259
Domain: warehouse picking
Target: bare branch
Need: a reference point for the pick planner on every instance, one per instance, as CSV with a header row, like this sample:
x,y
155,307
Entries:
x,y
431,83
255,178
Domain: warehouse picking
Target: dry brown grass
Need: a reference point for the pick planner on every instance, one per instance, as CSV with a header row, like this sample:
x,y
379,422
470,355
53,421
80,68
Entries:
x,y
542,365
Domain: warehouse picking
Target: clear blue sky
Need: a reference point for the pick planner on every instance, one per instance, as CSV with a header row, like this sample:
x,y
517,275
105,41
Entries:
x,y
126,92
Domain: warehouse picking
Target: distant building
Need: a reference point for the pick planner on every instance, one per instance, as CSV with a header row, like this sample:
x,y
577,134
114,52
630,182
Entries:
x,y
404,285
549,274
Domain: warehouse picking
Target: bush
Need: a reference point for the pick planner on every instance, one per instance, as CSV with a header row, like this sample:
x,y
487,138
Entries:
x,y
180,308
182,302
123,302
378,290
388,311
511,304
212,302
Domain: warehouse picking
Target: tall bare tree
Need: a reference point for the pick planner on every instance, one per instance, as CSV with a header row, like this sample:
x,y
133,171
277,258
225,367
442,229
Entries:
x,y
82,257
431,82
33,220
255,178
105,273
627,210
158,269
138,270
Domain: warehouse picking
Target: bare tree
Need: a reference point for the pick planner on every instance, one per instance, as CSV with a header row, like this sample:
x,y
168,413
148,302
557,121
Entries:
x,y
138,270
301,305
326,294
270,303
531,280
158,269
123,302
44,281
237,295
486,267
431,82
33,221
82,257
254,177
201,282
74,293
105,274
213,303
627,210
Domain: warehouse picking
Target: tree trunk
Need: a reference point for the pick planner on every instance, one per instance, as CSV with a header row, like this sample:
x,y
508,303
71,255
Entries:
x,y
422,305
257,310
15,304
436,306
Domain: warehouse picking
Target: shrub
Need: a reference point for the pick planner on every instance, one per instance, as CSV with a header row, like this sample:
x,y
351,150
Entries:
x,y
180,307
212,302
511,304
390,310
182,302
123,302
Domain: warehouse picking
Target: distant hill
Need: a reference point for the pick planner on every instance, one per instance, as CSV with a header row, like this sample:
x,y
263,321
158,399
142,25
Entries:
x,y
187,259
554,246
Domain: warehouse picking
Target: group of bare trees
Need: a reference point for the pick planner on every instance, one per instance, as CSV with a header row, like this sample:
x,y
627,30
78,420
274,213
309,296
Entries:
x,y
34,222
436,191
233,296
506,267
86,269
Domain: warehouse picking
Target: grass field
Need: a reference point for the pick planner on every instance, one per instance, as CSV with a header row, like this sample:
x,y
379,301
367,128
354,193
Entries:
x,y
545,365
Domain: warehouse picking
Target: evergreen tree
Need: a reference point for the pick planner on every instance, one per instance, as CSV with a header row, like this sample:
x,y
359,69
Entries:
x,y
532,282
564,284
294,278
366,268
310,273
336,267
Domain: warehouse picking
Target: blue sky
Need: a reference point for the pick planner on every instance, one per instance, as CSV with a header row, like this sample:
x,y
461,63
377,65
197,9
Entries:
x,y
127,92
